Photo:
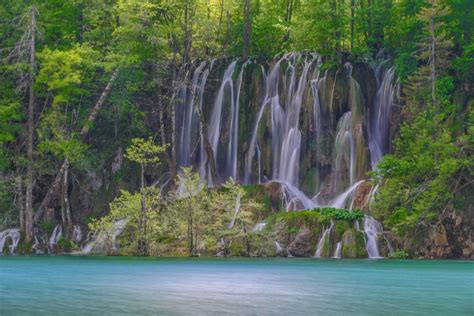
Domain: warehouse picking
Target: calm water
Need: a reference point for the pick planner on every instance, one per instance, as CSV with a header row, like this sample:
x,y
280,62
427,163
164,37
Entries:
x,y
110,286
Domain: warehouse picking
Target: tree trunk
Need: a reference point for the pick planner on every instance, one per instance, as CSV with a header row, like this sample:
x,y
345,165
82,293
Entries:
x,y
227,32
20,201
432,63
53,189
142,241
30,133
67,206
352,23
190,228
247,27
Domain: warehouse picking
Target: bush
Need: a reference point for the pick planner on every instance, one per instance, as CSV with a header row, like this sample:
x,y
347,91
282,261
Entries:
x,y
399,254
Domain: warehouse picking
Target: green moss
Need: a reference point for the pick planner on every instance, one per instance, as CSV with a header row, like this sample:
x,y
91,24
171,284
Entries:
x,y
340,227
353,244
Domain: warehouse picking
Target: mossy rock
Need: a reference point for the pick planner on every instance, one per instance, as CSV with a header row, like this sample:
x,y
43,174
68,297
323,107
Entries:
x,y
341,227
353,244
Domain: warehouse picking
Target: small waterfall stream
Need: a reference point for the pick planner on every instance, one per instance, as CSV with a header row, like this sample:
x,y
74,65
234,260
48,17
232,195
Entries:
x,y
14,235
56,234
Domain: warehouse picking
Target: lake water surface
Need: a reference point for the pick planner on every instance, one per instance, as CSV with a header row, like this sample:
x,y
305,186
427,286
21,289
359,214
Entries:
x,y
135,286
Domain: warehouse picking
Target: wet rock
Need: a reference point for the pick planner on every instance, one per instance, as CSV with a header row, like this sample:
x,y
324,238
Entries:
x,y
353,245
303,244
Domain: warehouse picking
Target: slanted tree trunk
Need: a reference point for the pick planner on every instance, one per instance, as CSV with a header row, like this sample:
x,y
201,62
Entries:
x,y
30,131
247,28
53,189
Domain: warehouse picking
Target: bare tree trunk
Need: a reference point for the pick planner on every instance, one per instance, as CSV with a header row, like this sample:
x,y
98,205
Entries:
x,y
288,16
53,189
142,241
30,133
67,206
190,228
20,201
227,33
352,23
432,63
219,26
247,28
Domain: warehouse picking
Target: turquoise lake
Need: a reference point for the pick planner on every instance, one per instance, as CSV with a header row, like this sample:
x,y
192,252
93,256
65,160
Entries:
x,y
135,286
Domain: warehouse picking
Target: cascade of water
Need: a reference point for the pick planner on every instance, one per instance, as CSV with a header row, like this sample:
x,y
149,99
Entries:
x,y
216,115
321,242
236,210
14,235
294,199
57,233
190,118
77,233
278,247
258,227
286,137
234,129
341,200
379,121
371,230
344,151
104,240
337,252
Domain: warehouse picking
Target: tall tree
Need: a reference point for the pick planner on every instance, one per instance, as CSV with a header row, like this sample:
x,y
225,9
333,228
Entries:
x,y
247,29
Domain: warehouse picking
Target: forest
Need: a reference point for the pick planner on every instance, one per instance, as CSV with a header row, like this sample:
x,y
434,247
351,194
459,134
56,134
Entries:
x,y
327,128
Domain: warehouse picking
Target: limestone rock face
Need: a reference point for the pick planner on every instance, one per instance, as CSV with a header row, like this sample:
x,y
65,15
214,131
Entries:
x,y
302,245
275,194
450,237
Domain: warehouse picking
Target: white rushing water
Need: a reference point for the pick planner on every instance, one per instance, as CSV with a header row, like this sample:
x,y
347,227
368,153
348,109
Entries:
x,y
259,227
321,241
299,109
103,241
14,235
55,235
380,116
371,230
236,210
77,233
337,252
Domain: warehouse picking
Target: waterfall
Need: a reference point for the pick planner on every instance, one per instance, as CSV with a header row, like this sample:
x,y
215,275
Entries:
x,y
371,230
341,200
53,239
321,242
189,117
285,116
77,234
294,199
104,240
380,116
258,227
236,210
337,252
14,235
214,131
344,151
